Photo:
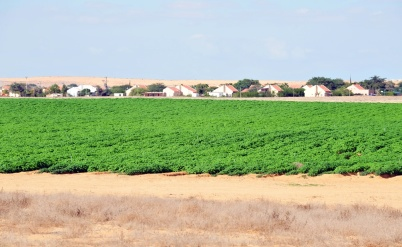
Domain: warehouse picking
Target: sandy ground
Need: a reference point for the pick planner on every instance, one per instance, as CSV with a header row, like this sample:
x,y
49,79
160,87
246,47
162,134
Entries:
x,y
327,189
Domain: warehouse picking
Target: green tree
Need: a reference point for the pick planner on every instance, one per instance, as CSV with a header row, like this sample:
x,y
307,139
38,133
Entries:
x,y
201,88
290,92
375,83
18,88
54,89
120,88
342,91
84,92
102,92
246,83
98,91
156,87
64,90
331,84
36,92
389,85
137,92
106,92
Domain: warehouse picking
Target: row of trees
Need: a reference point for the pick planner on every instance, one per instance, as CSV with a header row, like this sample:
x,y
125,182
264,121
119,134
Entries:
x,y
33,90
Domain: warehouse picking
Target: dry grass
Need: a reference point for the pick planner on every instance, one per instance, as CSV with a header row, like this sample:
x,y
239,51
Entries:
x,y
70,220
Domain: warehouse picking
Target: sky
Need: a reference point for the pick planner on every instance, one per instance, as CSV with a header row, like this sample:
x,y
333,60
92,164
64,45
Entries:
x,y
202,39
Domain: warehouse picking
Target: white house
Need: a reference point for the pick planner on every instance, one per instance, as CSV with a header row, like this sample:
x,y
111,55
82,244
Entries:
x,y
316,91
128,91
172,92
187,90
224,91
14,94
273,89
74,91
357,89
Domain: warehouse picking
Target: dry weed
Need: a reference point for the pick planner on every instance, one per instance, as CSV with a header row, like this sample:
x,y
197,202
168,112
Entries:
x,y
70,220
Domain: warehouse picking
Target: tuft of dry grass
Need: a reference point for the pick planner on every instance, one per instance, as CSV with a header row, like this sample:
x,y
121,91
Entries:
x,y
71,220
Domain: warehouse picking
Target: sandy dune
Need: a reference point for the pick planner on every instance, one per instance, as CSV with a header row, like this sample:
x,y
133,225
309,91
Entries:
x,y
49,80
328,189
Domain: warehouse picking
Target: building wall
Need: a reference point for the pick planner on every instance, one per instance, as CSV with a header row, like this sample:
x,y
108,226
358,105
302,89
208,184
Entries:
x,y
222,91
310,92
355,90
314,91
171,93
74,91
184,90
16,95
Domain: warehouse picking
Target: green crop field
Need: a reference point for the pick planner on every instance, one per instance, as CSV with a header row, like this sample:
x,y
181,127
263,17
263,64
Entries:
x,y
136,136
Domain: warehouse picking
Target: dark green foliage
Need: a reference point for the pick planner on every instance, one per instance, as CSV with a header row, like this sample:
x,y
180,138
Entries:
x,y
147,168
342,91
201,88
375,83
156,87
137,92
245,83
54,89
63,168
120,88
64,89
84,92
17,87
290,92
330,83
139,135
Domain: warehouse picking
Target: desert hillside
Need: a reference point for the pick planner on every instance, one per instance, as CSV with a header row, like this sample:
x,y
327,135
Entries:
x,y
49,80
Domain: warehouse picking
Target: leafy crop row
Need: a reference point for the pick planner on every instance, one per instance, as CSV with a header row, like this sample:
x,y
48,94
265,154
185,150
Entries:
x,y
136,136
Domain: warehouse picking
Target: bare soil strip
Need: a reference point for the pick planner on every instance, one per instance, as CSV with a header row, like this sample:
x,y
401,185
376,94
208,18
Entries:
x,y
300,189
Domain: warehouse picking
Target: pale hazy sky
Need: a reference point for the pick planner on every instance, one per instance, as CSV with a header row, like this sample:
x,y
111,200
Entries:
x,y
205,39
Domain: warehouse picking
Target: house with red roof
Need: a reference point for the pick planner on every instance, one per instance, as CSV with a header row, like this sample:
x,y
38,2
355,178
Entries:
x,y
358,89
172,92
273,89
316,91
4,90
224,91
252,88
187,90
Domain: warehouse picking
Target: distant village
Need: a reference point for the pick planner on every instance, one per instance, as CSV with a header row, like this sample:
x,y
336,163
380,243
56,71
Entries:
x,y
315,87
